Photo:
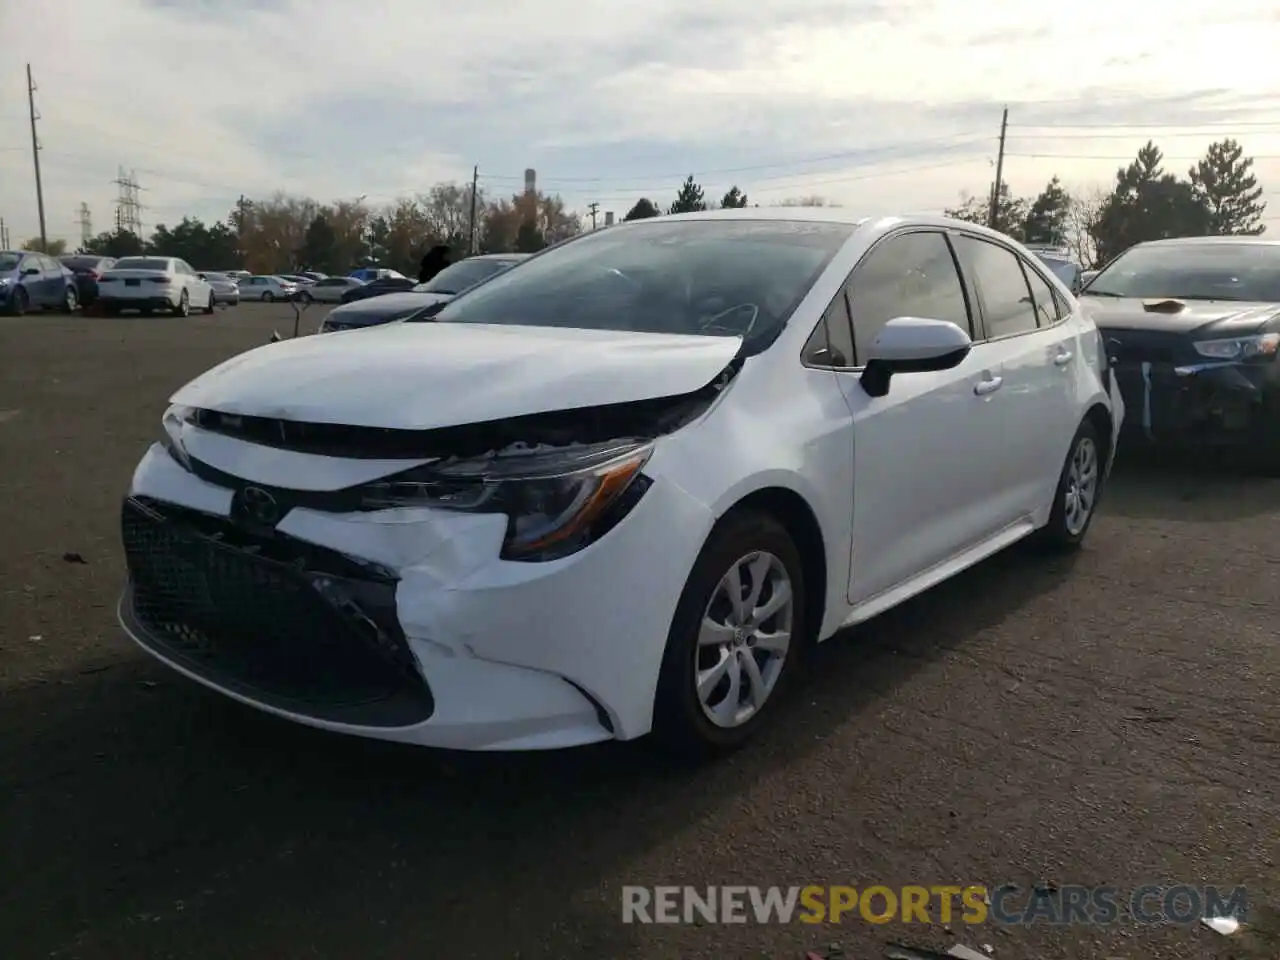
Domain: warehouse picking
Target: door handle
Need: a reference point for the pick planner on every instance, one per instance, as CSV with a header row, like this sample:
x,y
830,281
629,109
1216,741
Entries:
x,y
1062,359
988,386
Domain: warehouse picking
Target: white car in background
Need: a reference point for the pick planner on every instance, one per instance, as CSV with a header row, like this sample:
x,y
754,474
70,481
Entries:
x,y
329,290
154,283
267,288
226,289
621,488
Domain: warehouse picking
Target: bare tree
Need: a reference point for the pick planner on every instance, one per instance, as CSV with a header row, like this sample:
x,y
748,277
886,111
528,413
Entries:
x,y
1083,213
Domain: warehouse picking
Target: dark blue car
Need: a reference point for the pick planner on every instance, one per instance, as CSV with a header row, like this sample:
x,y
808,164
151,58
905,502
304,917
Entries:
x,y
32,280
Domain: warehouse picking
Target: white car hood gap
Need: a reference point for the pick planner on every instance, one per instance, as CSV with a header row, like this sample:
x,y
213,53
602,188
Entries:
x,y
425,375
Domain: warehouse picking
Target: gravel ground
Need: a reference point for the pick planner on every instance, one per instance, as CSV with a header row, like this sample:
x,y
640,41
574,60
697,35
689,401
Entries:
x,y
1108,719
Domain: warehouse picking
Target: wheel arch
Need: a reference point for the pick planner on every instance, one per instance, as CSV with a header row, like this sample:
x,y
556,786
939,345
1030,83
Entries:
x,y
795,514
1099,417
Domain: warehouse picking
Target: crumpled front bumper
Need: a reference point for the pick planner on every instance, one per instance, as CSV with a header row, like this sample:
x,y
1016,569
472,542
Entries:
x,y
512,655
1210,402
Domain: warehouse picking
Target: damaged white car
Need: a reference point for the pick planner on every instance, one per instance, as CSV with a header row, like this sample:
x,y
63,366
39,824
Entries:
x,y
620,488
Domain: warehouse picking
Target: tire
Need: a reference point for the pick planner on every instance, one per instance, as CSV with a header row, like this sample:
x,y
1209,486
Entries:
x,y
1067,524
213,302
19,305
268,297
682,721
183,309
69,300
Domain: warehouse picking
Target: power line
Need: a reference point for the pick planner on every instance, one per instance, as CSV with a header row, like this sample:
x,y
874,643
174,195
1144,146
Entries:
x,y
593,208
1127,156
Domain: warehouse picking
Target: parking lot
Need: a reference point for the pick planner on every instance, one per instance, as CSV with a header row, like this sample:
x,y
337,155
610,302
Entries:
x,y
1107,719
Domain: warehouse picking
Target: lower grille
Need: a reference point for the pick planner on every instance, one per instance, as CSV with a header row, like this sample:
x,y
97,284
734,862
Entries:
x,y
274,619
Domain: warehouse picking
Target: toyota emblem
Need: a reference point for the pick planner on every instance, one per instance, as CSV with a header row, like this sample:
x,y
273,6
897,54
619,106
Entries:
x,y
260,505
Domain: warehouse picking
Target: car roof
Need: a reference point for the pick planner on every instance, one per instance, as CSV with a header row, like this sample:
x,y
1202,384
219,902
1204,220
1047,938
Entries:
x,y
498,256
1195,241
875,225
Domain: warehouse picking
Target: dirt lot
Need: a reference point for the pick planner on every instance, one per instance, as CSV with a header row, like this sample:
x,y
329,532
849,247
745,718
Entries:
x,y
1107,720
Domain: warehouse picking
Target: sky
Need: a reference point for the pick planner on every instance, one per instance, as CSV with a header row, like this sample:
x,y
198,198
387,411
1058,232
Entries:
x,y
884,106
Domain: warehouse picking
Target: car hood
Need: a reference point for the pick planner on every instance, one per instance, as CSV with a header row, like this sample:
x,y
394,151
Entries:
x,y
384,307
1198,318
421,376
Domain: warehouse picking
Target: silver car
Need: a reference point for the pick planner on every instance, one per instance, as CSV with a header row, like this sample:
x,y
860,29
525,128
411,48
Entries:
x,y
225,289
329,290
267,288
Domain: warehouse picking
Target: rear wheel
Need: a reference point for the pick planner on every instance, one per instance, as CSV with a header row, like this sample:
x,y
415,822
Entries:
x,y
736,633
1079,487
183,309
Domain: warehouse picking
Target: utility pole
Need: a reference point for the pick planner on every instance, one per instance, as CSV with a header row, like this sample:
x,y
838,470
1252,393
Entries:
x,y
995,190
35,155
471,228
594,208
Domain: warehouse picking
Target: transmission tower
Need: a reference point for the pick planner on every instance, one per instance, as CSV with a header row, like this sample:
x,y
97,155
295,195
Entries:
x,y
86,225
128,206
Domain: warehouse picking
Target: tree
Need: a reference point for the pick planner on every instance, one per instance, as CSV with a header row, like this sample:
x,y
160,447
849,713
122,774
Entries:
x,y
204,247
447,213
1011,212
1147,204
690,199
526,223
56,248
1225,184
117,243
643,209
734,199
1082,220
1046,219
318,247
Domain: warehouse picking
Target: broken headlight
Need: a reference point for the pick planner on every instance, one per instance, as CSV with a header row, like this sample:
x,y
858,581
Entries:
x,y
1240,348
175,418
556,500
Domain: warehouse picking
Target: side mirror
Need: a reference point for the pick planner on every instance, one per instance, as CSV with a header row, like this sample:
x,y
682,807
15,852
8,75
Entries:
x,y
913,345
202,276
1086,278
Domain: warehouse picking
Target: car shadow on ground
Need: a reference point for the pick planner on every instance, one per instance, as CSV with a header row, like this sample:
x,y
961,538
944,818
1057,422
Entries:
x,y
189,812
1200,486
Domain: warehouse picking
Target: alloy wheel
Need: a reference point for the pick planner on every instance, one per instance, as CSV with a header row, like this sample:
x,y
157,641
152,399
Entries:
x,y
1082,486
743,639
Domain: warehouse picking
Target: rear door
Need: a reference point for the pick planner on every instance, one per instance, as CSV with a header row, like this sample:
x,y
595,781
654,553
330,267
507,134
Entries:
x,y
1025,328
53,281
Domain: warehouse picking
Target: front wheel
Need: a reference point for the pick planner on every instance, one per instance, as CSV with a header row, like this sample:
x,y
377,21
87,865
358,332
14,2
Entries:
x,y
213,302
19,304
69,301
735,637
1079,487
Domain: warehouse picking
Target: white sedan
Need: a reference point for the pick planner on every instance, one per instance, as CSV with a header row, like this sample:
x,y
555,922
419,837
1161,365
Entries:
x,y
329,290
621,489
267,288
154,283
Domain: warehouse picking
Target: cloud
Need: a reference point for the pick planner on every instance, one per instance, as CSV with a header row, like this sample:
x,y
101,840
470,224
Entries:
x,y
880,105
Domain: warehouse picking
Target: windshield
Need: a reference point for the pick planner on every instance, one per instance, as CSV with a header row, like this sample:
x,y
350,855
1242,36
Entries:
x,y
141,263
1200,271
720,277
8,261
461,275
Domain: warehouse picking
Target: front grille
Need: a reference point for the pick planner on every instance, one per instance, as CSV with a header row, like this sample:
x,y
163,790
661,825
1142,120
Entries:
x,y
280,621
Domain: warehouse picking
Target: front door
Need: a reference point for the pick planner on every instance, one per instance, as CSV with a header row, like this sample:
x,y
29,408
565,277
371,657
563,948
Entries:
x,y
922,453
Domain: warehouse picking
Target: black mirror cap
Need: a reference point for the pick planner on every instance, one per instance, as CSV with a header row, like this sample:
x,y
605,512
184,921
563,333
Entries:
x,y
877,373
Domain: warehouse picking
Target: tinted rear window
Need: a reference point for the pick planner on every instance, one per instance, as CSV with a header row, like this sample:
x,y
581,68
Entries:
x,y
81,263
141,263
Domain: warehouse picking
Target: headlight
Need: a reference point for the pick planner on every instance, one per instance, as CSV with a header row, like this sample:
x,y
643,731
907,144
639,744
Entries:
x,y
175,418
5,281
1240,348
556,501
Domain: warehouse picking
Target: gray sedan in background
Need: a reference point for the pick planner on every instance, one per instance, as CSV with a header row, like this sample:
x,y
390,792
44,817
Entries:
x,y
328,290
226,290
